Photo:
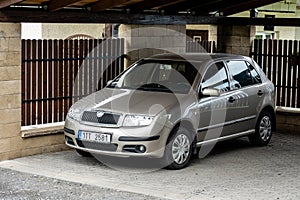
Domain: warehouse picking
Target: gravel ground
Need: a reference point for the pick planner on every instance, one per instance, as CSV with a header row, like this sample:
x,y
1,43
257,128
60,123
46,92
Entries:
x,y
233,170
20,186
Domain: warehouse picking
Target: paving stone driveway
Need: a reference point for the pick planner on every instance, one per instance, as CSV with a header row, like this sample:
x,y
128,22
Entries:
x,y
233,170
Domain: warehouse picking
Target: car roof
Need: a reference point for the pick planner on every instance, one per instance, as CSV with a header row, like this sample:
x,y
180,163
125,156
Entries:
x,y
198,57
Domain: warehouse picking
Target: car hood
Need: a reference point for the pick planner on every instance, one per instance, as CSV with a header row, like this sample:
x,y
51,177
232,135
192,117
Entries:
x,y
130,101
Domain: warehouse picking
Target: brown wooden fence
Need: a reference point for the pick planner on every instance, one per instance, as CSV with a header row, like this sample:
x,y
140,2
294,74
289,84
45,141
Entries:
x,y
201,47
55,73
280,60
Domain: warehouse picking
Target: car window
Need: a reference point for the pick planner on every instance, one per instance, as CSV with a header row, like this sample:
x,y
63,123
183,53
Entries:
x,y
255,76
243,73
240,73
216,77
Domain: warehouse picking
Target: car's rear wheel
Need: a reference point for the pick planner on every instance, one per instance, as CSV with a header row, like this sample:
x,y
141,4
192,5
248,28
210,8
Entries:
x,y
83,153
178,149
263,129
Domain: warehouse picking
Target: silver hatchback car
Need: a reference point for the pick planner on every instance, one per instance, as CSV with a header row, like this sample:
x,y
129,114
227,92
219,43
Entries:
x,y
170,106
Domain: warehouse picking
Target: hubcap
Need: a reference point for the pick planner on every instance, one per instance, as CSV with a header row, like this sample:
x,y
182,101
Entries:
x,y
265,128
181,148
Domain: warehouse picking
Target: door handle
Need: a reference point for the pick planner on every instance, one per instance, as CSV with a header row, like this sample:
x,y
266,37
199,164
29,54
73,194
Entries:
x,y
231,99
259,93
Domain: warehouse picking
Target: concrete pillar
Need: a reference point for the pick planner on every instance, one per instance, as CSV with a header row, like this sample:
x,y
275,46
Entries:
x,y
143,41
235,39
10,88
297,29
213,33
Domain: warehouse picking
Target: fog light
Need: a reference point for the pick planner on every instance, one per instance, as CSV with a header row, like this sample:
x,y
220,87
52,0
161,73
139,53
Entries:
x,y
142,148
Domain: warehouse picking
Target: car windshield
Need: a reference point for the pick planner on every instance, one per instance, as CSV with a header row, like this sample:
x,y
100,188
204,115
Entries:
x,y
158,75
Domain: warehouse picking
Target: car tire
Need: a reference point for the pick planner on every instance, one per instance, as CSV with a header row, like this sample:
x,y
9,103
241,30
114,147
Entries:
x,y
83,153
263,129
178,150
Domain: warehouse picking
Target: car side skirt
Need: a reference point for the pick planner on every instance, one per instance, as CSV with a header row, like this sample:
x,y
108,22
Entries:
x,y
228,137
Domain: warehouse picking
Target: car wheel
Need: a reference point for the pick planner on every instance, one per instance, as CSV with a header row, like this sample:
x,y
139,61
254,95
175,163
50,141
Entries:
x,y
83,153
263,130
178,149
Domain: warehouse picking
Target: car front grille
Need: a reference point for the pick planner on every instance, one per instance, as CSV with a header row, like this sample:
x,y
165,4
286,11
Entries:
x,y
97,146
106,118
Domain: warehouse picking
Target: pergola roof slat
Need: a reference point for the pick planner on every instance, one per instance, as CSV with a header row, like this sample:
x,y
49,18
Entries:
x,y
6,3
59,4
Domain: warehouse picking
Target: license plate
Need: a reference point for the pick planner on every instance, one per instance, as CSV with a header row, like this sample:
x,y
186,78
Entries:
x,y
94,137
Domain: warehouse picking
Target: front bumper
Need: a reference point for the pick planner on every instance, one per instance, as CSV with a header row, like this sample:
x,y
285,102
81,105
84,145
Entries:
x,y
124,139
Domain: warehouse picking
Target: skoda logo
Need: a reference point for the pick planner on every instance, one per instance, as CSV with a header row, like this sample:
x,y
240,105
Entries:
x,y
100,114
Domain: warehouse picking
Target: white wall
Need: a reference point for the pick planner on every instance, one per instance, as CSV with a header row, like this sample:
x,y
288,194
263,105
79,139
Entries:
x,y
60,31
31,31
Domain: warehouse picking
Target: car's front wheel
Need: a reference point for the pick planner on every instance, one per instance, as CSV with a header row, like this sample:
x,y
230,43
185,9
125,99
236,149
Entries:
x,y
263,129
178,149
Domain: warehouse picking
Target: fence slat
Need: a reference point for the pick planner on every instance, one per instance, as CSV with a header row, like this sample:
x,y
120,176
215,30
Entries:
x,y
90,80
45,80
280,72
71,72
65,78
298,75
294,74
24,71
275,67
269,66
95,64
50,82
40,83
60,80
34,82
284,74
55,80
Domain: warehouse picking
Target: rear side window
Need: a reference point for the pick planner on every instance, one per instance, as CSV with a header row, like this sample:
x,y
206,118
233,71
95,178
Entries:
x,y
216,77
255,76
243,73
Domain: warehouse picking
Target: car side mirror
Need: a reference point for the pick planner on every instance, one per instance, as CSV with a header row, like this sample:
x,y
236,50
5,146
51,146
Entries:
x,y
109,82
210,92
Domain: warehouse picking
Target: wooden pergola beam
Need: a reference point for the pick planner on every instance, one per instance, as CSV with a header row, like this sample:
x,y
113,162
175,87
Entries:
x,y
106,4
6,3
149,4
246,5
43,16
59,4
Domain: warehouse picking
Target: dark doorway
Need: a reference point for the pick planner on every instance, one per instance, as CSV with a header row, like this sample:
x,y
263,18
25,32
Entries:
x,y
197,35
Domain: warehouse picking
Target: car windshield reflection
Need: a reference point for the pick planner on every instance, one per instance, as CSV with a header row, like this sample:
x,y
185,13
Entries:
x,y
161,76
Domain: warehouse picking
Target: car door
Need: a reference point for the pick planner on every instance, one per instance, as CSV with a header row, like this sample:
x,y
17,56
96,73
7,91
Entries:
x,y
247,94
213,110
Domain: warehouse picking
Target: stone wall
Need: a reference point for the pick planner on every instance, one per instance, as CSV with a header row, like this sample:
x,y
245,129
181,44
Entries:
x,y
10,85
235,39
288,121
143,41
12,144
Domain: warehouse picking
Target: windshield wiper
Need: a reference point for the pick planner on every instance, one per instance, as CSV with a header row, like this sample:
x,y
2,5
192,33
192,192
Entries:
x,y
154,87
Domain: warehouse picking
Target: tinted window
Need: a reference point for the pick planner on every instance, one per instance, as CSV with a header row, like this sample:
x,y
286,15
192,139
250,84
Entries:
x,y
216,77
255,76
240,72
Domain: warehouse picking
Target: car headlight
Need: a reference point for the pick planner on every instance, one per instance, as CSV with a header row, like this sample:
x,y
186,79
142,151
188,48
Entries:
x,y
74,113
137,120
